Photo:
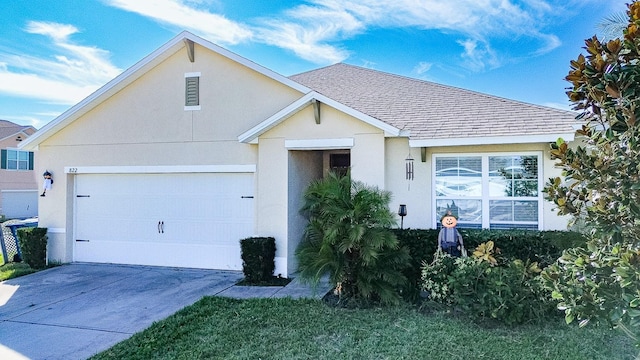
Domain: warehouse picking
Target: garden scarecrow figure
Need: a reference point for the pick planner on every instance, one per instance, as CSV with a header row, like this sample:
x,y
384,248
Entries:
x,y
449,239
48,181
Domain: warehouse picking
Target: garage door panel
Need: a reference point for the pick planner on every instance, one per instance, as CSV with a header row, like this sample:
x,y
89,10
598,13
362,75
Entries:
x,y
202,218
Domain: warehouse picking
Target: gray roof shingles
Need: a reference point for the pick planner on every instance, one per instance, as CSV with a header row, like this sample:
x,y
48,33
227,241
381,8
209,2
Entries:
x,y
433,111
7,128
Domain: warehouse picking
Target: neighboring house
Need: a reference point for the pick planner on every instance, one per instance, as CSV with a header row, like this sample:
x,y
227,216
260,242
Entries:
x,y
18,186
194,147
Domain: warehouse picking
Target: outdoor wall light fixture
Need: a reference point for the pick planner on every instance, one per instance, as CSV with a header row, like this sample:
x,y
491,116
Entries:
x,y
402,211
48,181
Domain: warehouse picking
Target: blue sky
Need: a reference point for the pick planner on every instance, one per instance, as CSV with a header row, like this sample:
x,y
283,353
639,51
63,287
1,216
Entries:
x,y
55,53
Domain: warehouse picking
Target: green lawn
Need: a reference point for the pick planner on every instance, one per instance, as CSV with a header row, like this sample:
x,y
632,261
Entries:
x,y
13,270
220,328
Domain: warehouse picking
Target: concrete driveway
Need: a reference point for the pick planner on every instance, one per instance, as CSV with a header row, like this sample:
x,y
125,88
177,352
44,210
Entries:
x,y
75,311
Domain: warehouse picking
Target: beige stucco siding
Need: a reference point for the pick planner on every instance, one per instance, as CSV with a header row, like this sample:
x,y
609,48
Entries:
x,y
146,124
417,194
151,109
276,177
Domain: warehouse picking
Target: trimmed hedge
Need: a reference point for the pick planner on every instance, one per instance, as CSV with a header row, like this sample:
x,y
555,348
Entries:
x,y
33,245
543,247
258,258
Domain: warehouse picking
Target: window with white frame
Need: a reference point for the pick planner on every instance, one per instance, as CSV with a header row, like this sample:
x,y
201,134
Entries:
x,y
496,191
16,160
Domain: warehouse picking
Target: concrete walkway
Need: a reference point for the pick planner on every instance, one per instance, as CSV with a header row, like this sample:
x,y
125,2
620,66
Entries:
x,y
77,310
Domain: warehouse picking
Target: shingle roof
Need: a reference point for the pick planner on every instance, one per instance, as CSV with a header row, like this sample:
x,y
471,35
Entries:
x,y
7,128
433,111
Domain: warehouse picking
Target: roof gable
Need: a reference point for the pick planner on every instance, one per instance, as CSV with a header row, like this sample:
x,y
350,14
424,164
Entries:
x,y
136,71
8,129
430,111
251,135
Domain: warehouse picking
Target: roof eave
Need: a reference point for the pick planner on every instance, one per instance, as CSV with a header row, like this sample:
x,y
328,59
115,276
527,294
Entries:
x,y
492,140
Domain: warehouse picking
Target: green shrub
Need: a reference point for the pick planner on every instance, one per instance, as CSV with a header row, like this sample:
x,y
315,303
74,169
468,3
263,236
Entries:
x,y
585,279
421,245
512,293
543,247
435,278
258,258
348,239
33,244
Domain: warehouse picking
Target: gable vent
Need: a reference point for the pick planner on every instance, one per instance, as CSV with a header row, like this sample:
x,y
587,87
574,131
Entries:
x,y
192,91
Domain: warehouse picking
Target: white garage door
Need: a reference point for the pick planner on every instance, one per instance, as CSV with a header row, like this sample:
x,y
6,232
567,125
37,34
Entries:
x,y
184,220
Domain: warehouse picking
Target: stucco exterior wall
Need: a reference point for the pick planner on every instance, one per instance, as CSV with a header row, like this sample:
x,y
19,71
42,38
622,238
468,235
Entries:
x,y
417,194
275,174
304,167
146,124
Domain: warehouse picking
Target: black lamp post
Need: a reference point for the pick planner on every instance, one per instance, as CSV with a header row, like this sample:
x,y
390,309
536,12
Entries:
x,y
402,211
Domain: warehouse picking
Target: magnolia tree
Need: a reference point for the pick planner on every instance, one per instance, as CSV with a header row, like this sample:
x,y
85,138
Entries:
x,y
601,185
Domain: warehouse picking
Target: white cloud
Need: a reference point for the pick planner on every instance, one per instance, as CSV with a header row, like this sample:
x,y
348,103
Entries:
x,y
38,87
422,67
477,55
549,42
58,32
478,20
65,78
182,14
306,43
314,29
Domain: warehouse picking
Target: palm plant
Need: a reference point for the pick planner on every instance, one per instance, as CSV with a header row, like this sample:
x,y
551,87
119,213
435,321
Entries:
x,y
612,26
348,237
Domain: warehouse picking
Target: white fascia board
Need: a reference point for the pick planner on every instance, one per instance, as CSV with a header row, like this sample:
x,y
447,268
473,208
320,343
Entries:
x,y
127,77
252,134
177,169
492,140
319,144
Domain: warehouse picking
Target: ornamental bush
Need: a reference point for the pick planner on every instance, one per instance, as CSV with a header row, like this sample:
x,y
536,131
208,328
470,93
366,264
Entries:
x,y
348,238
258,258
543,247
435,278
600,183
33,245
512,293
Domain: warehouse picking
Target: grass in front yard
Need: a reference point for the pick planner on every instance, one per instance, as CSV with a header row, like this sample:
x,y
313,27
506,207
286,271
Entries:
x,y
221,328
13,270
